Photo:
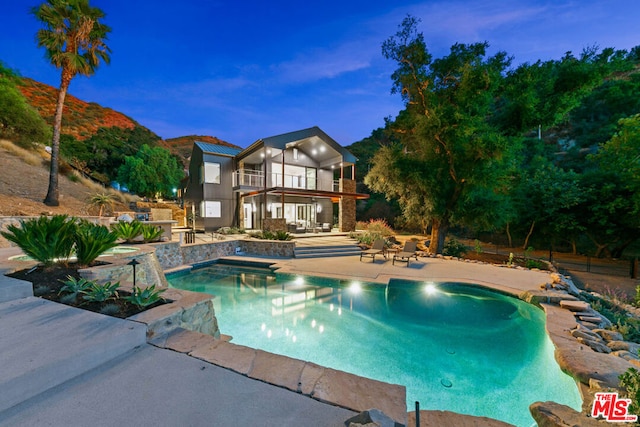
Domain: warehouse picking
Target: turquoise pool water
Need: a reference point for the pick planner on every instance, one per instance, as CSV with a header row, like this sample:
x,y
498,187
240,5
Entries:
x,y
455,347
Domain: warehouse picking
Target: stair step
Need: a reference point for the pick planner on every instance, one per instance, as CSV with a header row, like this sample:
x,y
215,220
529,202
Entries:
x,y
326,251
76,341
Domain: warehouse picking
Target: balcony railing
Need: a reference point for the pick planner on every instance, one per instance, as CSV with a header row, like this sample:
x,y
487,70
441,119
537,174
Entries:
x,y
256,179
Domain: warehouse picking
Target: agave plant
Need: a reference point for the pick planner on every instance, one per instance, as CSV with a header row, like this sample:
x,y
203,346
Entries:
x,y
128,231
74,286
48,240
150,233
101,293
142,298
92,240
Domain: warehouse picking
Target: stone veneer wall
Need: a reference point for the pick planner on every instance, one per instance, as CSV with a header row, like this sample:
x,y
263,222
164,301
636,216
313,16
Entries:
x,y
275,224
149,271
171,254
347,217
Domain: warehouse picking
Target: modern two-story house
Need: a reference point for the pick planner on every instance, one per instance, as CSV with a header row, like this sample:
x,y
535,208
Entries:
x,y
298,181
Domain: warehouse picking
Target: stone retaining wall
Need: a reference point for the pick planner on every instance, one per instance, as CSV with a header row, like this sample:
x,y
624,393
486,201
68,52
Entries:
x,y
172,254
148,272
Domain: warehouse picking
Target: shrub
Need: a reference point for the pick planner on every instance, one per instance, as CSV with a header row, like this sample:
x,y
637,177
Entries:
x,y
270,235
532,263
454,248
127,231
477,247
101,293
48,240
150,232
630,380
92,240
142,298
231,230
74,286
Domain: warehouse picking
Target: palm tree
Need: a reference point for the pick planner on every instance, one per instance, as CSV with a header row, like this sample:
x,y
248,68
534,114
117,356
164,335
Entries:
x,y
103,201
73,38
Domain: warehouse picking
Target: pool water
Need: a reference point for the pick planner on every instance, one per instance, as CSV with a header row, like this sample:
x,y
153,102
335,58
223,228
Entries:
x,y
455,347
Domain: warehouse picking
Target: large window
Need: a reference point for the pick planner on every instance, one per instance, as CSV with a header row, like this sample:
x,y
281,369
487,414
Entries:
x,y
211,209
211,173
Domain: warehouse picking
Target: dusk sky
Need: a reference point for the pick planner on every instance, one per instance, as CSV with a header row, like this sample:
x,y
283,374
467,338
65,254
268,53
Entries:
x,y
244,70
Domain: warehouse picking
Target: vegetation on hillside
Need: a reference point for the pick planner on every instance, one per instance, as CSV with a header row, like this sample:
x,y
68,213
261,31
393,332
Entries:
x,y
487,148
19,121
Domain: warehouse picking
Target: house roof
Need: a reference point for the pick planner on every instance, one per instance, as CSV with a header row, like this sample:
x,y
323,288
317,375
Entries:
x,y
217,149
306,140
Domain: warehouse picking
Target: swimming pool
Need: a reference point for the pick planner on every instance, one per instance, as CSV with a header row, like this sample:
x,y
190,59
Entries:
x,y
455,347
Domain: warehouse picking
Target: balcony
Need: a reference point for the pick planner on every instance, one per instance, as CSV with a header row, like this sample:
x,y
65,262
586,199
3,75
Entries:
x,y
252,179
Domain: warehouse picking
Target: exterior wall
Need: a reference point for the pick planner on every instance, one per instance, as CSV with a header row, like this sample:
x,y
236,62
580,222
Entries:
x,y
222,192
172,255
275,224
347,213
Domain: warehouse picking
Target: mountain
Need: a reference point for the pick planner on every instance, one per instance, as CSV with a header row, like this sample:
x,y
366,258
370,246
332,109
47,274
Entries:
x,y
82,120
182,146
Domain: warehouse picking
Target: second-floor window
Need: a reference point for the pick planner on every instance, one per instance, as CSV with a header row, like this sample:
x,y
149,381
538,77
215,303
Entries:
x,y
211,173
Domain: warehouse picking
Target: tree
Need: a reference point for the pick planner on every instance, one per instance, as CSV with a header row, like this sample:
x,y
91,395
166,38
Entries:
x,y
449,156
612,210
74,41
151,172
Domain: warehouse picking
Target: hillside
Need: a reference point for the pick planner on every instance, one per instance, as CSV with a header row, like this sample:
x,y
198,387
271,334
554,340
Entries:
x,y
20,196
80,119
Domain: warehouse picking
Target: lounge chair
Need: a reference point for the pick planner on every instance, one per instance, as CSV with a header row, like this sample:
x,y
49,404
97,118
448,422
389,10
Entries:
x,y
408,252
376,249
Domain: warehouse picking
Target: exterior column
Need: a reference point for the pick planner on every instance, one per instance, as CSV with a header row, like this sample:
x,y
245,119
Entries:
x,y
347,206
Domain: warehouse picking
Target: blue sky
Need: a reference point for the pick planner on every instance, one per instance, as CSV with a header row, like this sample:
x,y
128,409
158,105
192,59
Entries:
x,y
244,70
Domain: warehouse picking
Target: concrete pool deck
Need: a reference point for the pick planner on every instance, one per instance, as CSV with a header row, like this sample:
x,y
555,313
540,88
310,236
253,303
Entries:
x,y
205,394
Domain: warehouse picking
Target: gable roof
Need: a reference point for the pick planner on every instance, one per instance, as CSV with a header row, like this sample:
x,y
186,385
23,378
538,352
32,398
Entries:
x,y
222,150
285,140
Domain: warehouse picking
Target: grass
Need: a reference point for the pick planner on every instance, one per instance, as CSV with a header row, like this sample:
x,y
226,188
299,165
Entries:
x,y
28,156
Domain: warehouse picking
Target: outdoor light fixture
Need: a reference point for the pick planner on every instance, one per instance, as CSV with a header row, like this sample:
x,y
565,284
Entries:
x,y
133,264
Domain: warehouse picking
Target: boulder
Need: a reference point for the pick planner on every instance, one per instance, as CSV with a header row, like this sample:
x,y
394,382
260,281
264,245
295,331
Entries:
x,y
371,418
624,345
586,334
609,335
552,414
598,346
575,305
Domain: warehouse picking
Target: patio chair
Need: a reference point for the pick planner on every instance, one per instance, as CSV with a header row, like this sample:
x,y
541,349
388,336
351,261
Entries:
x,y
376,249
408,252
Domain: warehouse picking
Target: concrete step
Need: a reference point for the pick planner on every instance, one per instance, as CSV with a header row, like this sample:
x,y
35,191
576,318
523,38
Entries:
x,y
44,344
327,251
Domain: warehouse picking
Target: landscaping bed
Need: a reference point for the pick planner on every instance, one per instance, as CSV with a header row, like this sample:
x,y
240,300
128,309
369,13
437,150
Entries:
x,y
48,282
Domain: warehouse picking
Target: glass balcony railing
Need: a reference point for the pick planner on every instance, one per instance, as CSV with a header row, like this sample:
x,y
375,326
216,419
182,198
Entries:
x,y
256,179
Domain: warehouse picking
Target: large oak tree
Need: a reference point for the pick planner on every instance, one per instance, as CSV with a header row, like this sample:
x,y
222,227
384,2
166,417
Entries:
x,y
451,165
